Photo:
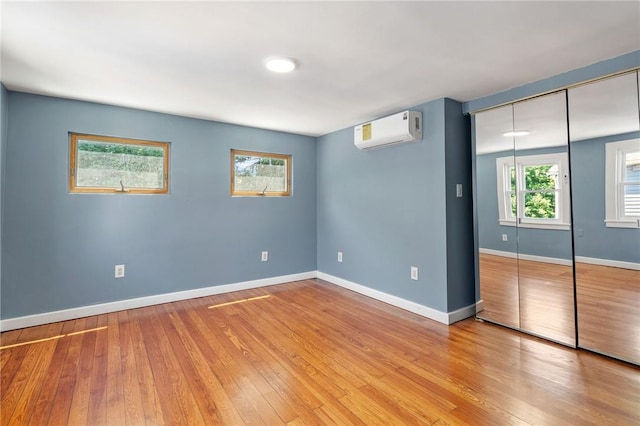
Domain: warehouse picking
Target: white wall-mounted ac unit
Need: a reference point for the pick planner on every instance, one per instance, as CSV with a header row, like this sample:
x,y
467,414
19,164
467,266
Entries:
x,y
402,127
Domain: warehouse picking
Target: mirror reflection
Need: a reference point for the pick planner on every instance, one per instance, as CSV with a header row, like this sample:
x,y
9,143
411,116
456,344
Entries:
x,y
605,164
559,212
523,208
498,263
545,256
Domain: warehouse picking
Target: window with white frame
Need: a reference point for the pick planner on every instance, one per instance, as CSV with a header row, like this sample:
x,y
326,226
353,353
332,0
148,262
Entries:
x,y
622,184
533,191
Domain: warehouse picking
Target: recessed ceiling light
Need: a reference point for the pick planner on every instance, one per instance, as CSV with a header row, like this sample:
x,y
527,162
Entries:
x,y
516,133
279,64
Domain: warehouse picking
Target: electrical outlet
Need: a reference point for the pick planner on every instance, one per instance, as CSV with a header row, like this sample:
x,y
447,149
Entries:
x,y
339,256
504,237
414,273
119,271
265,256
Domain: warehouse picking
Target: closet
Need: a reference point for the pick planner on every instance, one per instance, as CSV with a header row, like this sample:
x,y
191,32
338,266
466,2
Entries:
x,y
557,209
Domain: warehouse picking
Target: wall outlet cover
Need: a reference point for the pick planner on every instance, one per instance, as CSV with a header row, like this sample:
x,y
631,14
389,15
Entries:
x,y
119,272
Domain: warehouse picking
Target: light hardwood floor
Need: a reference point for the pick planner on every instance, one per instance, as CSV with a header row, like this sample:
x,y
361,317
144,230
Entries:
x,y
309,353
608,301
538,297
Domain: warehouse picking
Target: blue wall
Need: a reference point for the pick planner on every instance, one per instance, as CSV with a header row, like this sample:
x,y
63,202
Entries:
x,y
59,249
592,237
459,224
531,241
4,117
388,210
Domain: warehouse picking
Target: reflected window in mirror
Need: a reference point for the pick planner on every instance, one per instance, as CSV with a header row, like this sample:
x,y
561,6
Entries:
x,y
622,184
533,191
507,190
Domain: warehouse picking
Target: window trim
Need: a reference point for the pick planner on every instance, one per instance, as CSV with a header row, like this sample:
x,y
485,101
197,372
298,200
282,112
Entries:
x,y
503,170
505,217
239,193
614,186
73,188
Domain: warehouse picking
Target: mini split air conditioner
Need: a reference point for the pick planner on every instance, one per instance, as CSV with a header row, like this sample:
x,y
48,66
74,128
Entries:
x,y
402,127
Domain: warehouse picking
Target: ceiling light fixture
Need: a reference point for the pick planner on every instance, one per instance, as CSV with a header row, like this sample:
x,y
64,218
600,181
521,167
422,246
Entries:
x,y
516,133
280,64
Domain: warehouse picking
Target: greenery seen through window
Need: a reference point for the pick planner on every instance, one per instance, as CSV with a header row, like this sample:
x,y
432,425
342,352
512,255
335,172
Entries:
x,y
106,164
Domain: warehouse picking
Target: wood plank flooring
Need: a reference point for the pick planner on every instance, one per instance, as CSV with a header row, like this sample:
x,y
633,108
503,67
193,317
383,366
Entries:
x,y
608,301
309,353
538,297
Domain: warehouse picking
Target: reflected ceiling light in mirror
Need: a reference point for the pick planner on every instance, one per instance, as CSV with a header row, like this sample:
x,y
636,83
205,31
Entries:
x,y
280,64
516,133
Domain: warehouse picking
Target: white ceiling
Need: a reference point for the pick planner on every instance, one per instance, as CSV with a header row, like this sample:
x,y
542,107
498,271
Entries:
x,y
357,60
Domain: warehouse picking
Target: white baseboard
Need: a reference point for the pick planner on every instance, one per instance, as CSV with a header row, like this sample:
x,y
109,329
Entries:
x,y
508,254
103,308
416,308
566,262
608,262
140,302
531,257
462,313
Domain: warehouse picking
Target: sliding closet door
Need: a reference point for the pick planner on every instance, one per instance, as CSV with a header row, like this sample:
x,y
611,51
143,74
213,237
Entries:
x,y
605,164
495,209
524,218
545,255
497,236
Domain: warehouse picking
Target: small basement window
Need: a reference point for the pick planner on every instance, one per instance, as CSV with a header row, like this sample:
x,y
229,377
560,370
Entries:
x,y
260,174
103,164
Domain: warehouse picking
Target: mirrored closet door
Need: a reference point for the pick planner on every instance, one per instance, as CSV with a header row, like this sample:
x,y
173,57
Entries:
x,y
496,213
545,254
557,182
523,215
604,122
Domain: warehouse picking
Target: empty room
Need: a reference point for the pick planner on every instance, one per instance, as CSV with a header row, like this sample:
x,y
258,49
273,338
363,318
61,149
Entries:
x,y
319,212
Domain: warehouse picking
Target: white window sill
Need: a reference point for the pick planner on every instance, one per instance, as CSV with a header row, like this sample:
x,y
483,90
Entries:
x,y
622,223
525,224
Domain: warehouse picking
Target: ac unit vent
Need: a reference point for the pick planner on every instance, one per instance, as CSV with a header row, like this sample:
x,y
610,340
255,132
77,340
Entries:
x,y
402,127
